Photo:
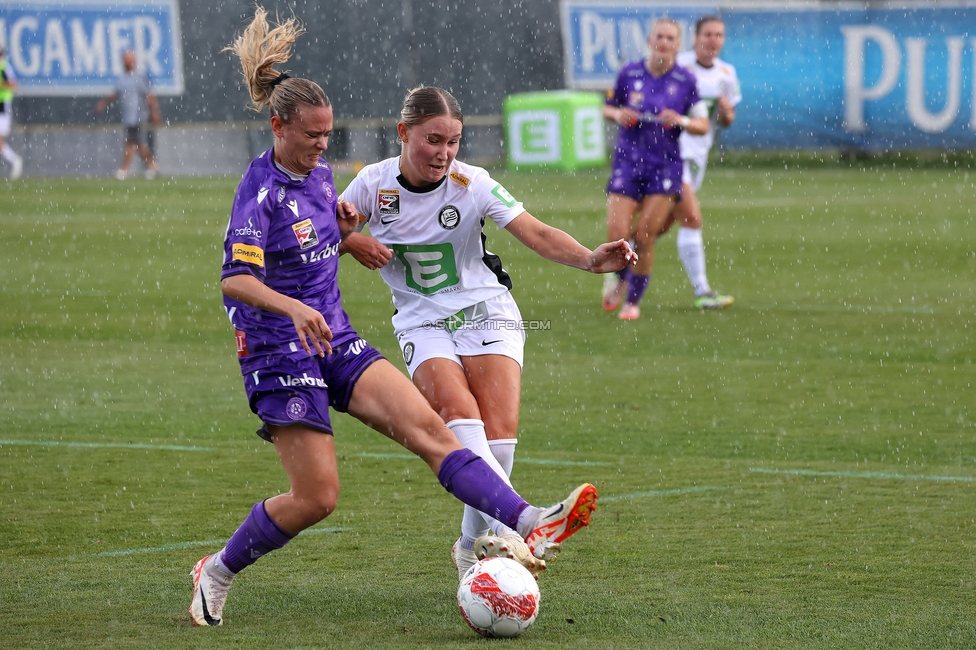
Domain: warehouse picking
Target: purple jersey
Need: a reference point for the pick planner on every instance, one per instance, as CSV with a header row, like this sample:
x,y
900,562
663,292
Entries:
x,y
650,142
285,234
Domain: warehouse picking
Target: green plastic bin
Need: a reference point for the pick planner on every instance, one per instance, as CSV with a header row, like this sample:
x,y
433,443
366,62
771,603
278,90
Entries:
x,y
560,129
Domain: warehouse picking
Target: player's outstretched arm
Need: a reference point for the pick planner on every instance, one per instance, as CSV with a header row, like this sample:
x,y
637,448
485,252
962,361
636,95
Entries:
x,y
558,246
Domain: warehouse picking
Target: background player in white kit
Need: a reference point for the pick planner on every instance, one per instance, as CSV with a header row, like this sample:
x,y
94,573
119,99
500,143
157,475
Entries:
x,y
458,326
718,87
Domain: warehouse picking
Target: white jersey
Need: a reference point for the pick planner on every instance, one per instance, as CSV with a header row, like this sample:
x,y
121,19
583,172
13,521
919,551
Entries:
x,y
717,81
440,265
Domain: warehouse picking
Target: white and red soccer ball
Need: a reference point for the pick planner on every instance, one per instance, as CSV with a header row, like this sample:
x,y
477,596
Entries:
x,y
498,597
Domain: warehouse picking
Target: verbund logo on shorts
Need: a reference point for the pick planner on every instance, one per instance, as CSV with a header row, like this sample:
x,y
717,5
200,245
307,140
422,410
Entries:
x,y
304,380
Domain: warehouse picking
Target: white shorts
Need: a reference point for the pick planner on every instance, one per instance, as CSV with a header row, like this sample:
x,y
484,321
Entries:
x,y
490,327
5,124
694,171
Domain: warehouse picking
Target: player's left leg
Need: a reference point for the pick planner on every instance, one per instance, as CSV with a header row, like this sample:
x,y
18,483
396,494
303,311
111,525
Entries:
x,y
654,210
308,457
691,250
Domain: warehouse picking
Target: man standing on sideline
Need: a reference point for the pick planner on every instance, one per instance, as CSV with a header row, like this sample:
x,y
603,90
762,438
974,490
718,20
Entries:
x,y
8,83
133,90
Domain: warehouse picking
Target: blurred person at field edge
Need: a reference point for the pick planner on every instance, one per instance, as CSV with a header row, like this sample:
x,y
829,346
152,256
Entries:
x,y
652,101
133,92
298,352
8,84
718,86
459,329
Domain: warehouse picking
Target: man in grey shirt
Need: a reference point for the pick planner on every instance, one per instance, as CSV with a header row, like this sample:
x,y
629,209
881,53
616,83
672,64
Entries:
x,y
135,97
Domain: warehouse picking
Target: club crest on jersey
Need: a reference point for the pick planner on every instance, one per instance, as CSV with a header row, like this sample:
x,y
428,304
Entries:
x,y
389,201
305,233
635,99
329,192
449,217
281,194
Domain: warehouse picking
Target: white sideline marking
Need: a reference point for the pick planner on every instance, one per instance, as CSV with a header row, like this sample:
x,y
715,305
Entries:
x,y
845,309
530,461
110,445
210,542
905,477
660,493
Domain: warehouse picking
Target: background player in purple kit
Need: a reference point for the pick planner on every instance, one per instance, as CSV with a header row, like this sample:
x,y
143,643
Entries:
x,y
652,101
298,353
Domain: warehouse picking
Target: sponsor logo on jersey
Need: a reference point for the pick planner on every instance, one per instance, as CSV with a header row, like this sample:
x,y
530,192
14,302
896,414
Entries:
x,y
449,217
241,343
248,231
502,195
304,380
463,181
249,254
281,194
305,233
389,201
635,99
296,408
324,254
293,206
408,351
263,192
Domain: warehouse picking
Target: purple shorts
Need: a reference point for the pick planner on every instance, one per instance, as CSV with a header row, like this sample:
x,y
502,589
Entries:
x,y
285,390
637,183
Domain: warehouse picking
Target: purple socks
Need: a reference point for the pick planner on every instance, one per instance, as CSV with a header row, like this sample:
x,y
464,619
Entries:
x,y
469,478
638,285
258,535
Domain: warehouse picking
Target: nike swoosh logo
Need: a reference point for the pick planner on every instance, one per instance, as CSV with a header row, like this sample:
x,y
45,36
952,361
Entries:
x,y
483,342
556,512
206,612
386,221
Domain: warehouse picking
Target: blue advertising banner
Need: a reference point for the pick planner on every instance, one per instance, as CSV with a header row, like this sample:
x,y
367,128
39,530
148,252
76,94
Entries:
x,y
74,47
813,74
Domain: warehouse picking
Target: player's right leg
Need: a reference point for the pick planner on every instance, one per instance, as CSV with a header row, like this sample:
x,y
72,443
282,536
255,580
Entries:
x,y
620,217
386,401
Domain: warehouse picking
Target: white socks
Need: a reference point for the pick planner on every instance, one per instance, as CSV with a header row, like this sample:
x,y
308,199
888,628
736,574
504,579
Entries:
x,y
691,250
500,456
9,154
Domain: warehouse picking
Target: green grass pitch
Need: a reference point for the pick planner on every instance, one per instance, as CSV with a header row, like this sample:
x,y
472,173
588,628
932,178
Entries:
x,y
798,471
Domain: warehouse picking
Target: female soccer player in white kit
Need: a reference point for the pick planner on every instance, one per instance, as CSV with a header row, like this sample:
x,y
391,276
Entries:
x,y
718,87
458,326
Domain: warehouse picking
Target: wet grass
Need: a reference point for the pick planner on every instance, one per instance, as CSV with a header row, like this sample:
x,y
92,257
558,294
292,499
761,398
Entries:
x,y
796,471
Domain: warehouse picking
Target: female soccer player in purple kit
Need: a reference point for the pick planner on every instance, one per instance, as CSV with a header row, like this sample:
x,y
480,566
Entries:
x,y
298,353
653,101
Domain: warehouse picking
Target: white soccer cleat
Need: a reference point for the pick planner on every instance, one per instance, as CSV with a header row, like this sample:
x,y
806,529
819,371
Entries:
x,y
463,558
629,312
120,174
557,523
18,168
613,291
511,546
209,593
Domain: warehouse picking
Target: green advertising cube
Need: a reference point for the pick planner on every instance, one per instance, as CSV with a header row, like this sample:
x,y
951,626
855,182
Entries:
x,y
561,129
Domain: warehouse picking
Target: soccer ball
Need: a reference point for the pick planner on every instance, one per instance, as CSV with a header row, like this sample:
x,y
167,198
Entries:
x,y
498,597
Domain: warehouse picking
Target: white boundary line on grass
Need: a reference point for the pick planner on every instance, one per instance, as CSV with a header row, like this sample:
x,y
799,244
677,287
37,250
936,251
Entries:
x,y
109,445
530,461
209,542
885,475
660,493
